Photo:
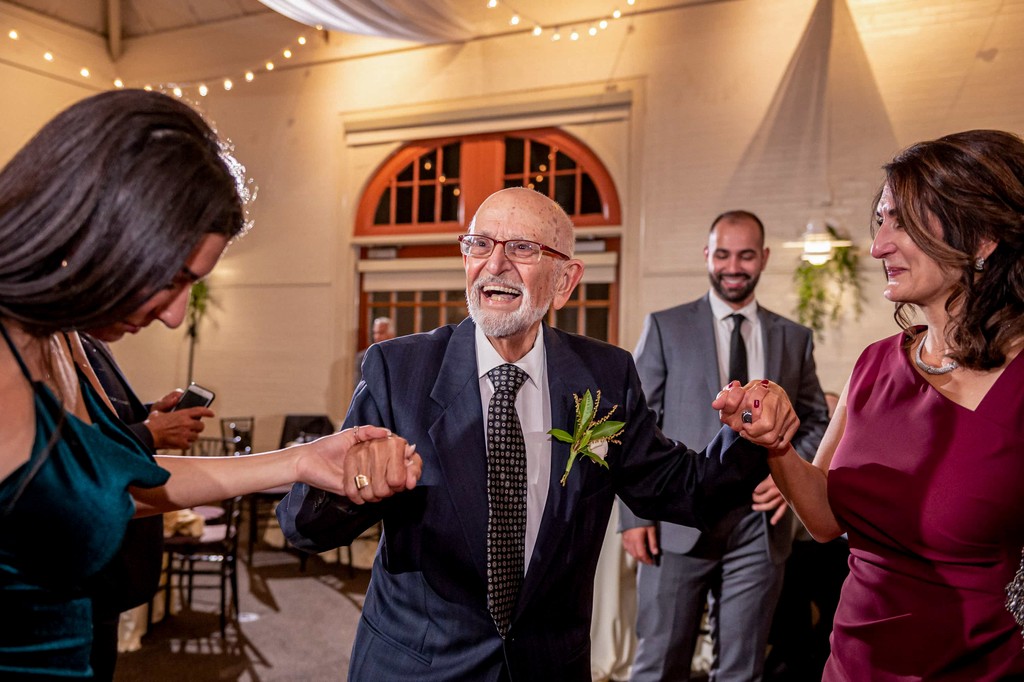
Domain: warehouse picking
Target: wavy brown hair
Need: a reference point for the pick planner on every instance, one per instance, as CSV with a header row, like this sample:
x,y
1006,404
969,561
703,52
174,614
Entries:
x,y
100,209
973,184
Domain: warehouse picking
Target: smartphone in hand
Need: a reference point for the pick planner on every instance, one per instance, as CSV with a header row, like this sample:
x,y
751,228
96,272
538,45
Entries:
x,y
194,396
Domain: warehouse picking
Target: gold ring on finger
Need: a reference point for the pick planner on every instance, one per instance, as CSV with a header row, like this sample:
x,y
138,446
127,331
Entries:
x,y
361,481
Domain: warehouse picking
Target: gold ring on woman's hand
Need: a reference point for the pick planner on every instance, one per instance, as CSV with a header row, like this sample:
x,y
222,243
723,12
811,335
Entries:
x,y
361,481
355,432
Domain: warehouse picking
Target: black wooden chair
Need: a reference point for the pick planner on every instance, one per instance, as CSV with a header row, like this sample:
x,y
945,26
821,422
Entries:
x,y
238,431
214,553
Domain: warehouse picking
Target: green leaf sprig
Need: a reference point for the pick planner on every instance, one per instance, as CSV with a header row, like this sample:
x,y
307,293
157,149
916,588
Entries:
x,y
588,432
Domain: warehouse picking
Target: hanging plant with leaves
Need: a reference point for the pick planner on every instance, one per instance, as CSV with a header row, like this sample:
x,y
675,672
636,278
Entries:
x,y
824,290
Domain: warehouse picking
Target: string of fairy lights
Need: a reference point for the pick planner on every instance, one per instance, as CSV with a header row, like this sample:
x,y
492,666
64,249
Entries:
x,y
178,88
517,21
571,30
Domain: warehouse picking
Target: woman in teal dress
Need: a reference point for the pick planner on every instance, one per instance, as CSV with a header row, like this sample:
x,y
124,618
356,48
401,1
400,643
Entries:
x,y
107,217
923,463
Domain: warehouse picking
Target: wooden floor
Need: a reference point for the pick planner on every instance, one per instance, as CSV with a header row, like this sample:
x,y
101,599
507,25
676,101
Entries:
x,y
293,625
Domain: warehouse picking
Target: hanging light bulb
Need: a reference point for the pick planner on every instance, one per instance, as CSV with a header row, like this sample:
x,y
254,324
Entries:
x,y
12,34
84,71
514,20
249,75
177,91
817,243
270,66
537,30
228,84
48,56
118,83
287,54
203,90
302,40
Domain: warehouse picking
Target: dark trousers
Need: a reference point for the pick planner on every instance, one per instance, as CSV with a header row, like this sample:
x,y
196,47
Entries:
x,y
799,641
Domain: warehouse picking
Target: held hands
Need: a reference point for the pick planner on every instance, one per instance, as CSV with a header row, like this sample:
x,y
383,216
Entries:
x,y
175,430
364,463
760,412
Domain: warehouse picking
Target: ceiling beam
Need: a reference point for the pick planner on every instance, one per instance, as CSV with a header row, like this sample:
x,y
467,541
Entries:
x,y
114,29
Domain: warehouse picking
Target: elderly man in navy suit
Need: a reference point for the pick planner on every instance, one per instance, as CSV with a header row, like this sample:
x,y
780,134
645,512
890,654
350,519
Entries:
x,y
485,569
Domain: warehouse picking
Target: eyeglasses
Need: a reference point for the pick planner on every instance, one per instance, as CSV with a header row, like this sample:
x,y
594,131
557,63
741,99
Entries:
x,y
517,250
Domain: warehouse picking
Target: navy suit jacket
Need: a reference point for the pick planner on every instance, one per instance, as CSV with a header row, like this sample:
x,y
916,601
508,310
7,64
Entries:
x,y
425,616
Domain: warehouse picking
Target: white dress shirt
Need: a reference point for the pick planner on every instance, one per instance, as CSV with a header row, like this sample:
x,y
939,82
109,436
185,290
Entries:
x,y
752,337
533,403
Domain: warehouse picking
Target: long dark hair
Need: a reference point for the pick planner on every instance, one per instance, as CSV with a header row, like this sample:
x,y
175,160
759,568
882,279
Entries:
x,y
973,184
104,204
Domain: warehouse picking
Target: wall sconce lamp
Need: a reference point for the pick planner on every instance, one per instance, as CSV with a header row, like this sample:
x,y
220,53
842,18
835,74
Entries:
x,y
817,243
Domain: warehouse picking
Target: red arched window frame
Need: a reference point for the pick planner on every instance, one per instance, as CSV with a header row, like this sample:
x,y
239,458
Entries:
x,y
481,171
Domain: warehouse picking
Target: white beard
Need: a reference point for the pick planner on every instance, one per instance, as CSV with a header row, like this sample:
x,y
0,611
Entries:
x,y
501,325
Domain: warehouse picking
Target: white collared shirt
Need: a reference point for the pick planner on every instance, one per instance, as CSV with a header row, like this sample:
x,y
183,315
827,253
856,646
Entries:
x,y
752,337
533,403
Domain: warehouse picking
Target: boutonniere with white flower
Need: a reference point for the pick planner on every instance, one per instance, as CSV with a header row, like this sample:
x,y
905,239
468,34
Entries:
x,y
590,436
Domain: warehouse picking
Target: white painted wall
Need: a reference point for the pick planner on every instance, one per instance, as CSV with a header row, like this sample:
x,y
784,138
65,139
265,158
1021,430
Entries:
x,y
708,130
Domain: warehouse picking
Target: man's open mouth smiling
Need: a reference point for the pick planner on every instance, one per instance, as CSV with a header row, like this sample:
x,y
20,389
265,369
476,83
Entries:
x,y
500,292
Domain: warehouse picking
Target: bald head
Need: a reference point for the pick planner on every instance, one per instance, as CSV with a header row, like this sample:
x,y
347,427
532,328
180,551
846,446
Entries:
x,y
526,209
508,298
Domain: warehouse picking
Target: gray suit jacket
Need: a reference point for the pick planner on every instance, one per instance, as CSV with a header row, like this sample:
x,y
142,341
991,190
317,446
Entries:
x,y
677,362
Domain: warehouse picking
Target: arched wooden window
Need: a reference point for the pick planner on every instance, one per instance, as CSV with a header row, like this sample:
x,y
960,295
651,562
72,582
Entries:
x,y
435,186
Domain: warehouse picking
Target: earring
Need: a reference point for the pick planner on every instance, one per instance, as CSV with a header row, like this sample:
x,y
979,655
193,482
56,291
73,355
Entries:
x,y
979,264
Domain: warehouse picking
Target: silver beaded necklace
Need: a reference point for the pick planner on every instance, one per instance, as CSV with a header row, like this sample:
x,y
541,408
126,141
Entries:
x,y
930,369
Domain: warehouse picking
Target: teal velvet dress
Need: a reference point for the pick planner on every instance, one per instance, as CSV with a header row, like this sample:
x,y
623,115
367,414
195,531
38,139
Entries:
x,y
62,517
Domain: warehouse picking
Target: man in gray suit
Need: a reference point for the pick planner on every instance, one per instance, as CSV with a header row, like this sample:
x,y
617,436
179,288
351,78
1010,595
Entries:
x,y
685,355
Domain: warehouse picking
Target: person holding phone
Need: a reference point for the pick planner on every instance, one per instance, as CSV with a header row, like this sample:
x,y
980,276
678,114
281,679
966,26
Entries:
x,y
107,216
171,423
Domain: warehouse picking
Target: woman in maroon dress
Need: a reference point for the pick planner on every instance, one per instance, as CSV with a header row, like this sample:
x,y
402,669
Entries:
x,y
923,463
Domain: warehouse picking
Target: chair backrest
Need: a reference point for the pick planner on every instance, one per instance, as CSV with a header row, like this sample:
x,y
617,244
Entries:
x,y
305,427
238,431
219,541
209,446
233,518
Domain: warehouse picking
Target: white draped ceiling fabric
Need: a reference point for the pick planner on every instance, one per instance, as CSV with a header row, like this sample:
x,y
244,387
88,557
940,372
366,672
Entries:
x,y
828,94
415,20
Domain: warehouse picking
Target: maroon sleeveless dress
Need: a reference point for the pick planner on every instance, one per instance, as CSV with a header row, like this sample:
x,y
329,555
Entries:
x,y
931,495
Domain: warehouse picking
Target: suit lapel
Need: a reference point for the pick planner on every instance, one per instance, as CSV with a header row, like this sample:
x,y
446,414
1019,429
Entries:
x,y
567,374
773,341
703,322
458,439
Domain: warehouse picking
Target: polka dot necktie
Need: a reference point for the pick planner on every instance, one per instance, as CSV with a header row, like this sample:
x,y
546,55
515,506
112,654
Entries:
x,y
506,495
